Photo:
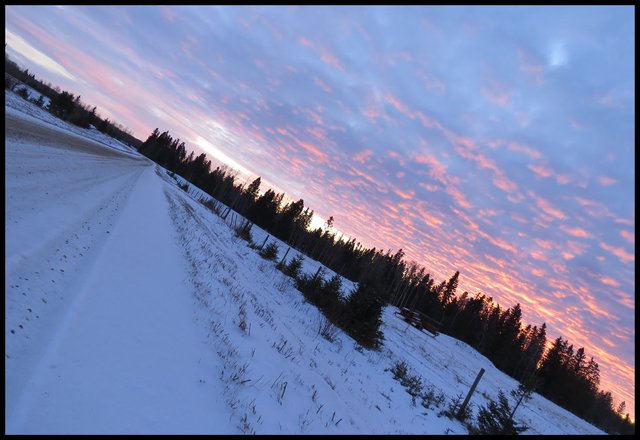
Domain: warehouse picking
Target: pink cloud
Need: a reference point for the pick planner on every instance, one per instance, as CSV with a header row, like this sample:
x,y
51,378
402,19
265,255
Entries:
x,y
363,156
505,184
540,170
399,106
458,197
544,244
575,247
430,188
525,149
497,93
594,208
428,122
304,42
331,60
538,255
323,85
428,215
503,245
622,254
169,14
518,218
538,272
437,170
576,232
629,236
606,181
314,116
314,151
547,208
532,67
610,282
625,221
405,195
326,56
500,180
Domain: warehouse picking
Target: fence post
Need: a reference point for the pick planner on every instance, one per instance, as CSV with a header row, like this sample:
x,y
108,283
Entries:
x,y
264,242
473,388
317,272
285,255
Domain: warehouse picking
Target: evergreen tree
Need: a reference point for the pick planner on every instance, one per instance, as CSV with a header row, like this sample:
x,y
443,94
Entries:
x,y
496,419
361,317
450,289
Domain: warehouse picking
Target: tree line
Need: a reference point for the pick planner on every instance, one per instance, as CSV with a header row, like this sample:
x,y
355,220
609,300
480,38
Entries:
x,y
561,373
63,104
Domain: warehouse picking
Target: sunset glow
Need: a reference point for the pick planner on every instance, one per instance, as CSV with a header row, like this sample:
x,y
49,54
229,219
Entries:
x,y
497,141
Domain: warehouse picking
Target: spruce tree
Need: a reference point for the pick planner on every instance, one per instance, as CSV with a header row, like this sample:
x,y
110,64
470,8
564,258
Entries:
x,y
496,419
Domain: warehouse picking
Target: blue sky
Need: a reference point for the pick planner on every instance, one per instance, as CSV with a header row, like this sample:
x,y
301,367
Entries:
x,y
497,141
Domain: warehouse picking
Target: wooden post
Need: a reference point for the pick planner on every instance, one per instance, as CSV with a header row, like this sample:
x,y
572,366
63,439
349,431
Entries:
x,y
285,255
473,388
317,272
264,242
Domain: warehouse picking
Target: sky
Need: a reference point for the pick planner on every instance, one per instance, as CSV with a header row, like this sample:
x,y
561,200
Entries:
x,y
497,141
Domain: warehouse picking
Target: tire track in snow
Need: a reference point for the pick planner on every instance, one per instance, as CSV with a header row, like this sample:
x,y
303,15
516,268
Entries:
x,y
61,204
125,357
42,288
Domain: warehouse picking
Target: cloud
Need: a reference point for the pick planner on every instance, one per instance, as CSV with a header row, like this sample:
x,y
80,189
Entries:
x,y
557,55
629,236
497,94
576,232
610,282
619,252
540,170
606,181
25,49
546,206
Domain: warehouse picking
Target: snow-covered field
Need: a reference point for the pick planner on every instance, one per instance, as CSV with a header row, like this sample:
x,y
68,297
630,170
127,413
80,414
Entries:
x,y
33,94
132,308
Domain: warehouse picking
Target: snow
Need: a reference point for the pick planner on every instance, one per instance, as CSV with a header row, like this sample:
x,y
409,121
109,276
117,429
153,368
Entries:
x,y
132,308
15,105
33,94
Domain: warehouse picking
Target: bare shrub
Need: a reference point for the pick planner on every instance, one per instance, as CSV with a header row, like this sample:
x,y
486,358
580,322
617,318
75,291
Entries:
x,y
327,330
242,319
244,230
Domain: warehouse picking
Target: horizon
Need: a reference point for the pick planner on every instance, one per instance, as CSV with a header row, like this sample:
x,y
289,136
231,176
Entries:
x,y
492,146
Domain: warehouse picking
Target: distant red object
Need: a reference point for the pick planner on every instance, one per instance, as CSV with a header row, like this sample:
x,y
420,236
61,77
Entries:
x,y
419,320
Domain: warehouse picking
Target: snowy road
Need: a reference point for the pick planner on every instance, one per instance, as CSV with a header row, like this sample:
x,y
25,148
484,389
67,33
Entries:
x,y
99,324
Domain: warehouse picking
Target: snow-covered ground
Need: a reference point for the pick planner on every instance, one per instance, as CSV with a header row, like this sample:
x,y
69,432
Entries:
x,y
33,94
15,105
132,308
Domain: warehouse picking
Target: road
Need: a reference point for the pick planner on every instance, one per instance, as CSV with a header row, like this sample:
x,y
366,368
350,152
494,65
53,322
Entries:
x,y
99,323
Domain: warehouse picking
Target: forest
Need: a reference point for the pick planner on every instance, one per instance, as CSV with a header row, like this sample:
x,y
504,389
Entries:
x,y
562,373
